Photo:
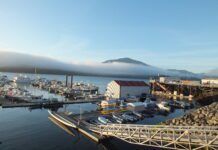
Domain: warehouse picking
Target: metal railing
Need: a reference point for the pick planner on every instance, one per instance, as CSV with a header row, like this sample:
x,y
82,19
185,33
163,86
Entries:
x,y
162,136
170,137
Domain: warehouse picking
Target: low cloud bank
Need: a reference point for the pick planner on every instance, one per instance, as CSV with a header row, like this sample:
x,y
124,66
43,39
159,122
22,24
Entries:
x,y
18,62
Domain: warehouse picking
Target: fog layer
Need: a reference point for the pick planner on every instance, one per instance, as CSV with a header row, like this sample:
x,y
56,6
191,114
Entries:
x,y
18,62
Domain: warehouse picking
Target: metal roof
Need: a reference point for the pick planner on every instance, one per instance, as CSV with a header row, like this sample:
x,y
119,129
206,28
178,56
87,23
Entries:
x,y
130,83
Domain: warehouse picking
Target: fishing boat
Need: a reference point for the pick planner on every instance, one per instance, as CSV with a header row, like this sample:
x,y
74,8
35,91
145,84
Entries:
x,y
61,119
137,114
22,79
102,120
118,118
148,103
106,103
128,117
185,105
163,106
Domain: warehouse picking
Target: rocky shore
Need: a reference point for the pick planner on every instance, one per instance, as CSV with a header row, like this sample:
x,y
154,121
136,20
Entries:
x,y
204,116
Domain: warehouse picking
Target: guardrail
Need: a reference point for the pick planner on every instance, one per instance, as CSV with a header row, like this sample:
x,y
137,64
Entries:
x,y
170,137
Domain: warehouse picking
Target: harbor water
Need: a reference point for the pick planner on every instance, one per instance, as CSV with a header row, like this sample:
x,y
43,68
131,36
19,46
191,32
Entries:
x,y
25,129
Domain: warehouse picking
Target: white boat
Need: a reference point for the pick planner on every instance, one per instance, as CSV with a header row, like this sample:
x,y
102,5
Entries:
x,y
61,119
22,79
118,118
102,120
164,106
3,79
106,103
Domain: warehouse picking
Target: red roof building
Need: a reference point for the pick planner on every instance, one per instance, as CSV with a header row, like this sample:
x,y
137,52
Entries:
x,y
130,83
123,89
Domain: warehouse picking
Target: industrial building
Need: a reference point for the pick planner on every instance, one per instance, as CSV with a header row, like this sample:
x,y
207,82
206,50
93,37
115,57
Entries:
x,y
169,79
191,82
122,89
177,80
209,81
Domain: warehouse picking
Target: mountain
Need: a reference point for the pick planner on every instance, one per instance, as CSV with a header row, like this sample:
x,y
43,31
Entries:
x,y
182,71
126,60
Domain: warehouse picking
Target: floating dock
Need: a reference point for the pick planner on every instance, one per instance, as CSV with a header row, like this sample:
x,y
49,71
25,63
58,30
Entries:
x,y
158,136
46,105
79,125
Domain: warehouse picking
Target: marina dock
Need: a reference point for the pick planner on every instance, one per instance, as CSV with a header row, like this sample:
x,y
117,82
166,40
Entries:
x,y
184,91
46,105
159,136
77,124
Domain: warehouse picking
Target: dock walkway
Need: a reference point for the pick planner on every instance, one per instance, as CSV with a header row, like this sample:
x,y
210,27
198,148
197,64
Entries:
x,y
77,124
161,136
47,105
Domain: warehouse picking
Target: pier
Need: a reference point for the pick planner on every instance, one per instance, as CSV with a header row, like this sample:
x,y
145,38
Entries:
x,y
188,91
46,105
161,136
77,124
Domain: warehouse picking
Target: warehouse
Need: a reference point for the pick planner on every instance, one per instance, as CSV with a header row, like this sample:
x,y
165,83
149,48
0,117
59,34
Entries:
x,y
169,79
122,89
209,81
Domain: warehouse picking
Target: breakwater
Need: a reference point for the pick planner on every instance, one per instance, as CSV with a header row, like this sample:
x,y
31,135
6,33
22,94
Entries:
x,y
204,116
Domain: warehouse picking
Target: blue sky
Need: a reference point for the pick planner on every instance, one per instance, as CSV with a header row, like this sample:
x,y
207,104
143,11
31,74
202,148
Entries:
x,y
164,33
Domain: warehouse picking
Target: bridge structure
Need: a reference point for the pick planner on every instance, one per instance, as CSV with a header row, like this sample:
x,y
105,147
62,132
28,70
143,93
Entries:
x,y
160,136
169,137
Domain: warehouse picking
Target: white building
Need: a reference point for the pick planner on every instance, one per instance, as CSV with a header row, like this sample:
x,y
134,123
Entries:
x,y
122,89
209,81
190,82
169,79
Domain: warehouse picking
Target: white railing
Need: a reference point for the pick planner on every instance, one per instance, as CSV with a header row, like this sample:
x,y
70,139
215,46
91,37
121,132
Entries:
x,y
171,137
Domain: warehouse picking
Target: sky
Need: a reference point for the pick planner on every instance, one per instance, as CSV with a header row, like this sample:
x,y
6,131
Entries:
x,y
163,33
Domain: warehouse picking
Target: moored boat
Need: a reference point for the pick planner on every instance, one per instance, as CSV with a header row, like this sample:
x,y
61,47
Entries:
x,y
163,106
22,79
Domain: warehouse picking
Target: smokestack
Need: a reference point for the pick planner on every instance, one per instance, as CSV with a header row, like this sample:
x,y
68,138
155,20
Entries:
x,y
71,82
66,80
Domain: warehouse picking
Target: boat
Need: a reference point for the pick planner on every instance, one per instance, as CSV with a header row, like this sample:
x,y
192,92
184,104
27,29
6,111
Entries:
x,y
176,104
102,120
118,118
94,122
164,106
122,104
52,99
134,117
61,119
185,105
106,103
137,114
3,79
128,117
37,96
148,103
22,79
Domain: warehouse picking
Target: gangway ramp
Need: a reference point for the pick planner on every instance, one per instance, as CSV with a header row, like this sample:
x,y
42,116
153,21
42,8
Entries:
x,y
161,136
169,137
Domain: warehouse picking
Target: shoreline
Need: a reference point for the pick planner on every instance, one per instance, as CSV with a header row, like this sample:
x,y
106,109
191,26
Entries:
x,y
204,116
